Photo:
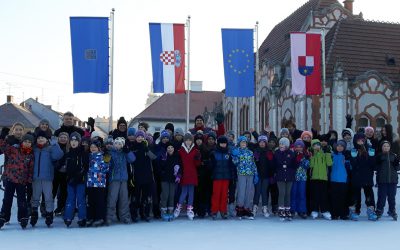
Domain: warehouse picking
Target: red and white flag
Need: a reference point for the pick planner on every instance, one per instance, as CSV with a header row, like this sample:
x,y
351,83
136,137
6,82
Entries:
x,y
306,63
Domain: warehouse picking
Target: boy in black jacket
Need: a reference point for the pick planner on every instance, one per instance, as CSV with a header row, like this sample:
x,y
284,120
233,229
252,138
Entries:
x,y
170,172
76,161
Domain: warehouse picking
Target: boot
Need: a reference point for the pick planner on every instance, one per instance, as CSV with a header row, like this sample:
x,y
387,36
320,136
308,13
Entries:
x,y
314,214
265,211
34,216
239,212
214,216
255,210
281,213
378,213
164,214
249,214
371,214
288,214
24,222
327,215
58,211
352,214
177,210
171,213
303,215
190,212
2,220
232,210
67,222
49,218
224,216
393,214
82,223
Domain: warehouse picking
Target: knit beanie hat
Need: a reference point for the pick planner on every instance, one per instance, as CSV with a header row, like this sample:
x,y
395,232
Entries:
x,y
199,117
299,143
121,120
27,137
119,140
140,133
369,129
284,141
263,138
347,131
63,134
165,134
179,131
325,137
359,136
109,140
169,126
212,134
97,143
305,133
131,131
42,133
284,131
75,136
242,138
95,134
272,137
222,139
44,121
145,125
198,136
230,133
315,141
342,143
188,136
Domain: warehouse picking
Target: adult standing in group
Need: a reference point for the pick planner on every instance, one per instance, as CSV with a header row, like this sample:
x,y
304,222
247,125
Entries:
x,y
121,130
68,125
44,125
200,126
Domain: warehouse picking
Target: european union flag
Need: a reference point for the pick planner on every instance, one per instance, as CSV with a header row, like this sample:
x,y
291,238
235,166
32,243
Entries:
x,y
89,44
238,55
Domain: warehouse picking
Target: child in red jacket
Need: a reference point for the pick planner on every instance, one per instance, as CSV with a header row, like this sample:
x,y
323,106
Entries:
x,y
191,160
18,171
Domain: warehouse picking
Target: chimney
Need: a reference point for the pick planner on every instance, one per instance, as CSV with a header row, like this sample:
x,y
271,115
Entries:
x,y
10,99
348,5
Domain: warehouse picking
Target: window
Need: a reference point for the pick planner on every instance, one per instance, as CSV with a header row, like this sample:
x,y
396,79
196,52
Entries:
x,y
380,122
363,122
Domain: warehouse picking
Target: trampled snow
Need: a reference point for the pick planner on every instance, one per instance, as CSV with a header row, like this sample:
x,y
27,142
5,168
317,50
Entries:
x,y
206,234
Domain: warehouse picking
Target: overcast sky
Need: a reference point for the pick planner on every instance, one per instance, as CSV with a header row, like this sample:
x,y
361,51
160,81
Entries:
x,y
35,58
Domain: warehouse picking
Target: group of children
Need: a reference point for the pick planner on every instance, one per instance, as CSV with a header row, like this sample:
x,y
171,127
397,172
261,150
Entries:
x,y
123,178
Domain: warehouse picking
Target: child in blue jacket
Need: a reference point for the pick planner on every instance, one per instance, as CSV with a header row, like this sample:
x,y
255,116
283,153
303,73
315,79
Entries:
x,y
96,185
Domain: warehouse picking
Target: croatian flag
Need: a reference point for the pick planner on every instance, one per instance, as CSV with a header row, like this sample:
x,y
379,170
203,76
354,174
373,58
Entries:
x,y
167,43
306,63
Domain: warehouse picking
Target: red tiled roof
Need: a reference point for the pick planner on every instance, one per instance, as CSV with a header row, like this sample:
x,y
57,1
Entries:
x,y
172,107
362,46
277,44
11,113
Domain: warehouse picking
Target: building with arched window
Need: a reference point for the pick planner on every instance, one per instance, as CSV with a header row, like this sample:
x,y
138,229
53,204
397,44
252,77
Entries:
x,y
362,73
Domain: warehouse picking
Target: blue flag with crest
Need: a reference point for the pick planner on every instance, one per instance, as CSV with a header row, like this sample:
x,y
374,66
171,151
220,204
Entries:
x,y
238,53
90,55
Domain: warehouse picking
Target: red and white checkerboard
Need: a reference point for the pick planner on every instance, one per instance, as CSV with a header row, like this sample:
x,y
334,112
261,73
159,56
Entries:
x,y
168,57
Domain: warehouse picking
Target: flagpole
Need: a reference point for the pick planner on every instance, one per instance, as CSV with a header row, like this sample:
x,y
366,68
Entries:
x,y
188,74
110,122
257,107
324,79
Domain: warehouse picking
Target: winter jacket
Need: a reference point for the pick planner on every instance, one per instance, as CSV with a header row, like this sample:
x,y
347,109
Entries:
x,y
142,166
244,161
77,164
116,133
362,170
302,162
264,159
191,160
222,165
18,165
167,165
340,168
44,161
118,164
285,165
387,166
319,164
69,130
97,172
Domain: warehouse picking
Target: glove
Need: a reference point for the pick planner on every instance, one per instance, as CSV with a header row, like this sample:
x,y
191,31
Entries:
x,y
176,170
349,120
371,152
90,122
4,133
235,152
219,118
178,179
354,153
255,180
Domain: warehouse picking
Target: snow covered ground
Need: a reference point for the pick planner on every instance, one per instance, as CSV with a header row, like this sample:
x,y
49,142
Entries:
x,y
207,234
